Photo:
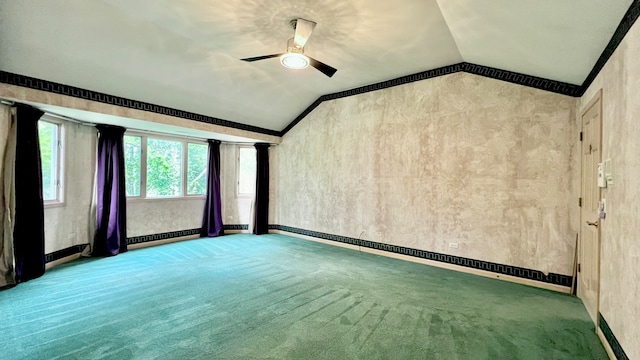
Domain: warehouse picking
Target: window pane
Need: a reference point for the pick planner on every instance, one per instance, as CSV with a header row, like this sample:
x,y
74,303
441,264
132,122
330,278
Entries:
x,y
196,169
48,134
132,161
164,168
247,171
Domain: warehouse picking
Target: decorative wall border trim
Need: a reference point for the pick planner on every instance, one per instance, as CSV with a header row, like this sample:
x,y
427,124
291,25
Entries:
x,y
611,339
559,87
524,273
236,226
49,86
623,28
445,70
162,236
513,77
60,254
480,70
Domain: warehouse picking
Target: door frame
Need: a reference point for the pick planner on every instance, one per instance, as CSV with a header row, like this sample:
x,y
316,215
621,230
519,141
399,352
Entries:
x,y
595,100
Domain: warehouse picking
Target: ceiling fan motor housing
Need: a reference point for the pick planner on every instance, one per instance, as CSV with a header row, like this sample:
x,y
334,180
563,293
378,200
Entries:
x,y
293,48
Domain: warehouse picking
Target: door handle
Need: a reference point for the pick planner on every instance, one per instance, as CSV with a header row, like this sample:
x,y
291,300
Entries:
x,y
595,223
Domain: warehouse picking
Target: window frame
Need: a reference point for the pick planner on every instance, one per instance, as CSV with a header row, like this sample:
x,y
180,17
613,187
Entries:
x,y
185,172
60,199
183,166
238,193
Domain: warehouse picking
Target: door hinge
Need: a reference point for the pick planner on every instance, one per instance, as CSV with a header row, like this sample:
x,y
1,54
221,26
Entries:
x,y
580,135
578,267
580,202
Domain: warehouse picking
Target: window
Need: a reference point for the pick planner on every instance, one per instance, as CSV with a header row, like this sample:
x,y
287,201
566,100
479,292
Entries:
x,y
164,167
196,169
246,170
132,164
50,136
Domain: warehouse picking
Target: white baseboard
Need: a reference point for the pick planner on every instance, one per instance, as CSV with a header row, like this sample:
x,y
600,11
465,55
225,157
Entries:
x,y
65,259
160,242
489,274
606,345
236,232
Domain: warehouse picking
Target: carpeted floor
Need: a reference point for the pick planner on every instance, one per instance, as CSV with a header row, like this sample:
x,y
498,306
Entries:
x,y
277,297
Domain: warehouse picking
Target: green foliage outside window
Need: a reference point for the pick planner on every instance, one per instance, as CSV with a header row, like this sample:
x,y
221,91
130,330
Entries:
x,y
48,136
196,169
132,162
164,168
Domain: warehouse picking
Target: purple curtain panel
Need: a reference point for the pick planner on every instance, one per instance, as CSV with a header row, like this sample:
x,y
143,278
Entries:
x,y
28,232
261,221
111,211
212,218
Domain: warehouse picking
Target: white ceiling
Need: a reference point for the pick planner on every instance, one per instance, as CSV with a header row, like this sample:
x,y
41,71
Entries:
x,y
185,54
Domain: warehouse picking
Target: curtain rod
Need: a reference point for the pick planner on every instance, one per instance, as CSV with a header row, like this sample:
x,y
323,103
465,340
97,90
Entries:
x,y
89,123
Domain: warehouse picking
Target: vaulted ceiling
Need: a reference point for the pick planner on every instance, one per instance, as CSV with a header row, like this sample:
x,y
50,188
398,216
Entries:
x,y
185,54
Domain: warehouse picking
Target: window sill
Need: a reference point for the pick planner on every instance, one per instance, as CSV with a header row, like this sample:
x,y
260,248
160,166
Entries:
x,y
51,205
154,199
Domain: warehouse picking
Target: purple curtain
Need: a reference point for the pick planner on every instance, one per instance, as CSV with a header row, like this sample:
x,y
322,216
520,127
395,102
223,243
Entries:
x,y
261,221
212,218
111,211
28,231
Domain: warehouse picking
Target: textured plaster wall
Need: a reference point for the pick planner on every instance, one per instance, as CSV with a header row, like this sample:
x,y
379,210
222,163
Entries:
x,y
620,239
67,224
236,209
461,159
146,217
22,94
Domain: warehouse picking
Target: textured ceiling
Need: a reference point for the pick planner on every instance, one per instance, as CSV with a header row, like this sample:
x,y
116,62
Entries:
x,y
184,54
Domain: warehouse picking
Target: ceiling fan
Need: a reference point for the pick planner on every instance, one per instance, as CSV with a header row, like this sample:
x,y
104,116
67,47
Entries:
x,y
295,58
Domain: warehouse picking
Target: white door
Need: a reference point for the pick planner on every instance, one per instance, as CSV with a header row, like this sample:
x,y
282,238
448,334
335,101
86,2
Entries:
x,y
589,247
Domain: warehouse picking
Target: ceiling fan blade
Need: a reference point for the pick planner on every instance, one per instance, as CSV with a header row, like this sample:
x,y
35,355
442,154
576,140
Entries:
x,y
322,67
304,28
261,57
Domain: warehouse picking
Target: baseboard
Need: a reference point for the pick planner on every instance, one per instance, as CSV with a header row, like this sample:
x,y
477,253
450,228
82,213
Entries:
x,y
609,340
444,265
63,260
606,345
237,232
135,240
146,244
65,255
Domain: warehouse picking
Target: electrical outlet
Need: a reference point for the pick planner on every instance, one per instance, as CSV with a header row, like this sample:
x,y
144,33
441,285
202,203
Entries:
x,y
453,245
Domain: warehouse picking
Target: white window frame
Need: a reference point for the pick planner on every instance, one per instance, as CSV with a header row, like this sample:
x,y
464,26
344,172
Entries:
x,y
238,193
185,172
60,164
183,166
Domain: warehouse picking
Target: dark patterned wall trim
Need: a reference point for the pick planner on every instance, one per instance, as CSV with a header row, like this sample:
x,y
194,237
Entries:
x,y
611,339
446,70
302,115
48,86
558,87
373,87
162,236
236,226
485,71
551,278
627,22
60,254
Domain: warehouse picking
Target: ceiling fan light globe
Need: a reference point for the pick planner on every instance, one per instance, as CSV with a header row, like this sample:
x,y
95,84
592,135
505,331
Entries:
x,y
294,61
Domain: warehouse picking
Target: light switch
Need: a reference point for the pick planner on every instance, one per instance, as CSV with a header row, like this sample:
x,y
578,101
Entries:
x,y
608,172
602,182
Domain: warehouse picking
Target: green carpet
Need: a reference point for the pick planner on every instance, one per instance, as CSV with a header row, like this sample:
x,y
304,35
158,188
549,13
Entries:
x,y
277,297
